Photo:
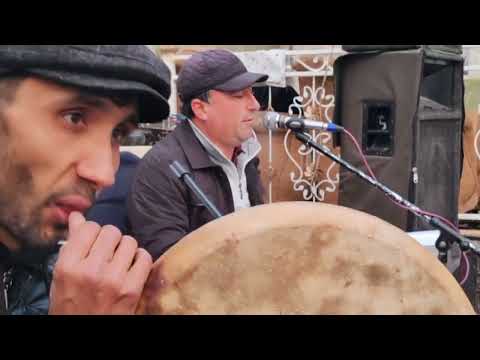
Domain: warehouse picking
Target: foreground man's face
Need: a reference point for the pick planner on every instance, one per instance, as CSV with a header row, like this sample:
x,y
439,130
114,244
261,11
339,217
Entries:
x,y
58,146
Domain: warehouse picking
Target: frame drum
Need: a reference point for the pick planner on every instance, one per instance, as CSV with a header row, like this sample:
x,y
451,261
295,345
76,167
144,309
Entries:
x,y
300,258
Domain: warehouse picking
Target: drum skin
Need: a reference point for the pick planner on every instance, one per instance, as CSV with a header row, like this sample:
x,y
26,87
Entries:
x,y
300,258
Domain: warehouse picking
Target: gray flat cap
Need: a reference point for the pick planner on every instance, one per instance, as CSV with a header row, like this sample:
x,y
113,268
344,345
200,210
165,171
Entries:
x,y
123,68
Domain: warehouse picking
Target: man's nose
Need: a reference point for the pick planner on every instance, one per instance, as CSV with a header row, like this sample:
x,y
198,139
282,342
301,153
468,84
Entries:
x,y
99,167
253,104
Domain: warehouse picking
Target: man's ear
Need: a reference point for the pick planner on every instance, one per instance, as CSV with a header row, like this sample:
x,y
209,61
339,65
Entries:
x,y
199,109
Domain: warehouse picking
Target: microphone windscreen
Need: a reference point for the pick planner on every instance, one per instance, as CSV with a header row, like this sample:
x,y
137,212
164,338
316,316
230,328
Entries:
x,y
270,120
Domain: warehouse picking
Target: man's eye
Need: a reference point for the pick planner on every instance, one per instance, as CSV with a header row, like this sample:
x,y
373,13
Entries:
x,y
75,118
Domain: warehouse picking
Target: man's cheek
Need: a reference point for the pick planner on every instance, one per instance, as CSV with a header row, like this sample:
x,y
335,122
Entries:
x,y
116,160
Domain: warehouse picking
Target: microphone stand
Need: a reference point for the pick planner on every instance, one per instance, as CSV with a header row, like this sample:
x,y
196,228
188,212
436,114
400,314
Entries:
x,y
184,175
442,245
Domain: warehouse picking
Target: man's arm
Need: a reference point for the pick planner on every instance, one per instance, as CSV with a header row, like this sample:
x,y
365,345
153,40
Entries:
x,y
157,207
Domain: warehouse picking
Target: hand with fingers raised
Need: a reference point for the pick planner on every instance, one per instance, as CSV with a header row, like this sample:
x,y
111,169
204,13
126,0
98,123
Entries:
x,y
98,271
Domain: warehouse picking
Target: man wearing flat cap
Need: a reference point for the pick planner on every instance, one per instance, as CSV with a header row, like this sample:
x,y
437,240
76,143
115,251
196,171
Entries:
x,y
216,145
63,112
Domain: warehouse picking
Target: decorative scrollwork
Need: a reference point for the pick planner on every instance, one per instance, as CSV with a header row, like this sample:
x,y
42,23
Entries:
x,y
475,144
304,178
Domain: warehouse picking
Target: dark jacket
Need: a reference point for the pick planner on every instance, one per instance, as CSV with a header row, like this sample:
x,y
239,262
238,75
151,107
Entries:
x,y
28,286
162,209
110,207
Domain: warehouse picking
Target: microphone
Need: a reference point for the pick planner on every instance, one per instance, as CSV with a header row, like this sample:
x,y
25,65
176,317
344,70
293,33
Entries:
x,y
184,175
273,120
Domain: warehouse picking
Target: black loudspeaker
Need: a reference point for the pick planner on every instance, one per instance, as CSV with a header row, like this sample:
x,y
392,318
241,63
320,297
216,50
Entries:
x,y
406,108
437,51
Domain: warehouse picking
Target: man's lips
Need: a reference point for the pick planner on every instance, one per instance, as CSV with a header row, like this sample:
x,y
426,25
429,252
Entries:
x,y
74,202
63,206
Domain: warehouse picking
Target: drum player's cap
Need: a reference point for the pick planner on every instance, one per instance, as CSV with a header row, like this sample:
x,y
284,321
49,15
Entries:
x,y
124,68
216,69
